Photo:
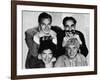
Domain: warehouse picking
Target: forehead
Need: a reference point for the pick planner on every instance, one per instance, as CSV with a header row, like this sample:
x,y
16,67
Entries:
x,y
69,22
71,46
45,20
47,51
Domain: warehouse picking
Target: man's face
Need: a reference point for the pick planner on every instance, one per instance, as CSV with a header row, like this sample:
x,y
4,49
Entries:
x,y
47,55
45,25
69,27
71,51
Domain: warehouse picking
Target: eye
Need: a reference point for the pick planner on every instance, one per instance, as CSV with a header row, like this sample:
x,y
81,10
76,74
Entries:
x,y
42,24
49,24
72,25
66,25
43,53
74,47
50,53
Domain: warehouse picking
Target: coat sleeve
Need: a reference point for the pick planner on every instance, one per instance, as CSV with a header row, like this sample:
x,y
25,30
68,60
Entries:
x,y
59,62
83,47
32,46
83,60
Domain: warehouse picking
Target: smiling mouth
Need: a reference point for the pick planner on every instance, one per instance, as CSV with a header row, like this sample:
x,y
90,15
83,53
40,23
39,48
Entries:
x,y
48,60
47,32
71,54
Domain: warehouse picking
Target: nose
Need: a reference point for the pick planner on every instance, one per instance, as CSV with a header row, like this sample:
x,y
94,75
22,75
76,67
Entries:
x,y
70,29
71,51
47,57
47,28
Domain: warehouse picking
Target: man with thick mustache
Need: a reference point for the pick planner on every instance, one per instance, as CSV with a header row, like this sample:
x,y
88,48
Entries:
x,y
71,32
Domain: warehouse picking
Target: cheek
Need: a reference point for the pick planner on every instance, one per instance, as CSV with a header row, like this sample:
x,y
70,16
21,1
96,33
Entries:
x,y
49,26
43,56
68,51
50,56
67,28
75,51
73,28
43,26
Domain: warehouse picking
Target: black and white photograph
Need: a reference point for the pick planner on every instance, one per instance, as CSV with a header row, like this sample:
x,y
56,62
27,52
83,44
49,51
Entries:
x,y
55,40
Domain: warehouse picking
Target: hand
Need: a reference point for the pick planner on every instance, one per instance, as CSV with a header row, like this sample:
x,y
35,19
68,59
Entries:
x,y
78,38
65,39
41,34
36,38
69,34
50,65
54,37
53,34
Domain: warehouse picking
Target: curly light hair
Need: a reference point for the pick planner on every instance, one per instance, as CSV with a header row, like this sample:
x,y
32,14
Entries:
x,y
72,41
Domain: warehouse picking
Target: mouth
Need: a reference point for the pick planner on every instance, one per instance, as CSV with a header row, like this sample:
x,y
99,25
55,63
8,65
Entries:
x,y
47,29
47,60
70,31
71,54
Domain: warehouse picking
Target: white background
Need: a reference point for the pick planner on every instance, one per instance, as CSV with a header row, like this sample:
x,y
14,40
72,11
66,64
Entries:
x,y
5,40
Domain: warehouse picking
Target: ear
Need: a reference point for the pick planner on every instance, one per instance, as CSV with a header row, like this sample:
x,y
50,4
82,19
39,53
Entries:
x,y
39,56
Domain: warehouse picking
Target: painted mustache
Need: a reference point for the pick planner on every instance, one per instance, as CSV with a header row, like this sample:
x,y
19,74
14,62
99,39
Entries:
x,y
70,31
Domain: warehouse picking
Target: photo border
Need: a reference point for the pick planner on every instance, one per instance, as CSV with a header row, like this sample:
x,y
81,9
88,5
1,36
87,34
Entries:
x,y
14,39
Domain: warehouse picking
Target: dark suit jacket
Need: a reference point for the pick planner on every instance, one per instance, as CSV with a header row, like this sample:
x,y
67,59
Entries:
x,y
34,62
33,47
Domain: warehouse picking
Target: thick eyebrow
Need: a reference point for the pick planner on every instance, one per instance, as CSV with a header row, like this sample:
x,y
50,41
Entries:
x,y
50,53
72,24
44,23
43,53
66,25
74,47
